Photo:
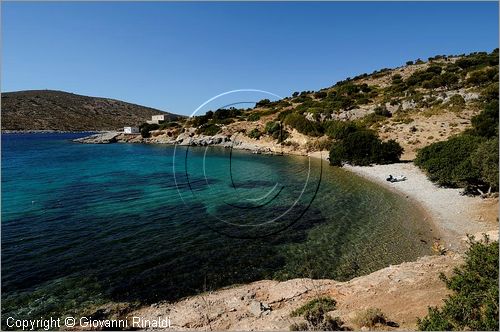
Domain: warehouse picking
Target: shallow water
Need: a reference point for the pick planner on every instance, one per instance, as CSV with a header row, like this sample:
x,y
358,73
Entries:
x,y
88,224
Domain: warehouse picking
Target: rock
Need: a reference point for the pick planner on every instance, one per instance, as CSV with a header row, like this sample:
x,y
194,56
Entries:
x,y
257,308
103,138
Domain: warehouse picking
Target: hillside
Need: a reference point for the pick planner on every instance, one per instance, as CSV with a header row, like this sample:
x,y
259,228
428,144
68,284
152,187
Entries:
x,y
58,110
417,104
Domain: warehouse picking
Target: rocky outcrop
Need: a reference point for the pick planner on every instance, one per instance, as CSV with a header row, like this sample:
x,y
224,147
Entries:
x,y
187,138
102,138
403,293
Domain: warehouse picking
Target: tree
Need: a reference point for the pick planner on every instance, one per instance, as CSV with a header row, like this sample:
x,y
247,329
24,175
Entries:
x,y
363,147
449,162
263,103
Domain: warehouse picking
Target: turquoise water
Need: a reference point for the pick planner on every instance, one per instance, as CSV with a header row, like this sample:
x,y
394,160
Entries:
x,y
89,224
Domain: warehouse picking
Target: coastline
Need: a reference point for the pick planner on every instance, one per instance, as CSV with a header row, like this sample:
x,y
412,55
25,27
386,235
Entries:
x,y
453,215
403,292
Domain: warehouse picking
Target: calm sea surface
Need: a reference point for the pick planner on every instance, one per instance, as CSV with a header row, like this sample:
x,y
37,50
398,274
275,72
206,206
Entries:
x,y
84,225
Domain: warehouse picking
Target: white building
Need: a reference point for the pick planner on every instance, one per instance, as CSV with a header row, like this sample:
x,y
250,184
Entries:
x,y
157,119
130,130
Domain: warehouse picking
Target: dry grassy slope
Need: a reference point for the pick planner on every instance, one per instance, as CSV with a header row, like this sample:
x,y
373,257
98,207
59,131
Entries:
x,y
413,126
57,110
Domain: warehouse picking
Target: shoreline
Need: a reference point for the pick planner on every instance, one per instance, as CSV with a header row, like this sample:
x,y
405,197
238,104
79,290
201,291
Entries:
x,y
452,214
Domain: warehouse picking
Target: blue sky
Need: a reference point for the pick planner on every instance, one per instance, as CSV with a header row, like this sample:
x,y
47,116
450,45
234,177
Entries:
x,y
175,56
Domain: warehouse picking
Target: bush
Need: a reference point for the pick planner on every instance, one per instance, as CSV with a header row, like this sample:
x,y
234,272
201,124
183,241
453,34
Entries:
x,y
473,305
320,94
485,124
485,159
409,63
448,163
363,147
315,314
304,126
370,318
146,128
254,133
263,103
382,111
339,129
253,117
275,130
208,129
481,77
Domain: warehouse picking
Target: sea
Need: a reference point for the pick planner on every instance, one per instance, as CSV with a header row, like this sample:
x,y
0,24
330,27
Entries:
x,y
84,225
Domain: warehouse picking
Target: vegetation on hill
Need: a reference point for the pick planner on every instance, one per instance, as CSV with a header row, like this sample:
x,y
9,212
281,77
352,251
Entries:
x,y
473,305
57,110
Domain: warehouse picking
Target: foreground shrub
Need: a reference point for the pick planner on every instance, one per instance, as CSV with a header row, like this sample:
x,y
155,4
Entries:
x,y
370,318
315,314
363,148
473,305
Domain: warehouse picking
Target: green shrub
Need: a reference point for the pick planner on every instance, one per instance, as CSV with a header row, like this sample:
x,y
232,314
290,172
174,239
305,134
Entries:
x,y
208,129
275,130
166,125
485,159
255,133
320,94
315,314
339,129
473,305
448,163
363,147
302,125
253,117
263,103
481,77
382,111
485,124
324,303
145,128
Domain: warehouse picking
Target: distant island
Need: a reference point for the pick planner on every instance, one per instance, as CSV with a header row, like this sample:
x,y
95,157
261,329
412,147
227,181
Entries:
x,y
63,111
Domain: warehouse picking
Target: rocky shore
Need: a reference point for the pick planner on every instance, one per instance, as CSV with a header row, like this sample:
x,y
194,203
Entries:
x,y
189,137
